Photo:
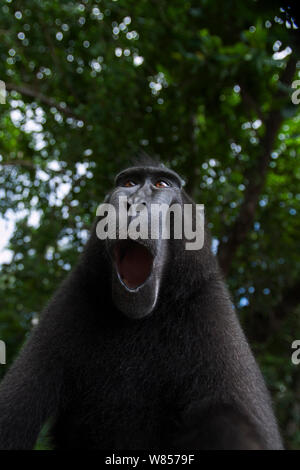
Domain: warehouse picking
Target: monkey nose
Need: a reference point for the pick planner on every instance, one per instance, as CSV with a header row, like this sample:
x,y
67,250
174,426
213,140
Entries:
x,y
139,204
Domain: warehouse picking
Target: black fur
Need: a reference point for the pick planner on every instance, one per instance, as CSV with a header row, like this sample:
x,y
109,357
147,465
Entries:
x,y
182,378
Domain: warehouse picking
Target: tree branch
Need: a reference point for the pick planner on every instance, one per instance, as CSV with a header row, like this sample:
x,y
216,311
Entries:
x,y
191,163
289,301
256,179
27,91
26,163
262,327
249,102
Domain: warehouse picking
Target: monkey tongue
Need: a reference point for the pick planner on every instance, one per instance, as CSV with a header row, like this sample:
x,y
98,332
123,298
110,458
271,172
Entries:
x,y
135,264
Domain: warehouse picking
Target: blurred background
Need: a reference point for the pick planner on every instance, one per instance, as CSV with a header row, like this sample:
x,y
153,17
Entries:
x,y
204,85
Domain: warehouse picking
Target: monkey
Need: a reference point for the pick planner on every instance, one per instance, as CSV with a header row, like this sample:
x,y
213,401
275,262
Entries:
x,y
140,347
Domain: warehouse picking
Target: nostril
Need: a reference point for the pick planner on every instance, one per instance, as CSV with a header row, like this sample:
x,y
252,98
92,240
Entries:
x,y
141,206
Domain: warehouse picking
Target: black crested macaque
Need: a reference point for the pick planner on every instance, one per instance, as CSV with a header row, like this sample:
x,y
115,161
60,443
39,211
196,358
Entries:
x,y
140,347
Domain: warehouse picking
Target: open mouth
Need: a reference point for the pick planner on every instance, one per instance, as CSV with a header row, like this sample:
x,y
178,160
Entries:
x,y
134,263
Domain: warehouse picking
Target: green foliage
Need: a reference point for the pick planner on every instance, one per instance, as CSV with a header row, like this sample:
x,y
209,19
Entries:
x,y
89,85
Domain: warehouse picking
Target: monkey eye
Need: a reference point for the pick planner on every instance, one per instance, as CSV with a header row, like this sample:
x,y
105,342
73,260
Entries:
x,y
129,184
161,184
